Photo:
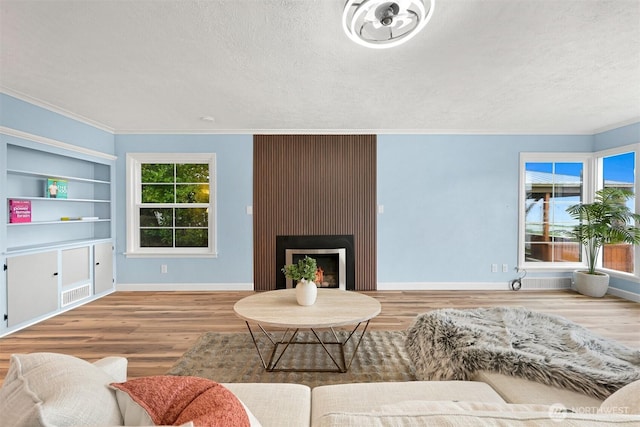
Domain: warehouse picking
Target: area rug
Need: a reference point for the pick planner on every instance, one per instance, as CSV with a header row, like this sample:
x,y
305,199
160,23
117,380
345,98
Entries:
x,y
451,344
232,357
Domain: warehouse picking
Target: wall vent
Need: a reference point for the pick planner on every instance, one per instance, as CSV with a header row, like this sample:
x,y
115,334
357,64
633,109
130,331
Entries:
x,y
546,283
76,294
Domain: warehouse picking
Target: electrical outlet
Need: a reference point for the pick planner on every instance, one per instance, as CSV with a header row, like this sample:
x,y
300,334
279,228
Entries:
x,y
494,268
505,268
163,268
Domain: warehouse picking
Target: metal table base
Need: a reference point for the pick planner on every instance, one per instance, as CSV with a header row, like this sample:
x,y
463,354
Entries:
x,y
288,339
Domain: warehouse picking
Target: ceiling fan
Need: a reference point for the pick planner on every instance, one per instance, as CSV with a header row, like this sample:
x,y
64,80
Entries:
x,y
383,23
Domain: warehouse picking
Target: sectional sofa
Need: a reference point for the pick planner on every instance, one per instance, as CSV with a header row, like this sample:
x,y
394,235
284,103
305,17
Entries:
x,y
50,389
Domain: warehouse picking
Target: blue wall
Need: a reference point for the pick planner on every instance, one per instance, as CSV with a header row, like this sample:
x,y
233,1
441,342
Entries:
x,y
26,117
450,201
234,264
451,205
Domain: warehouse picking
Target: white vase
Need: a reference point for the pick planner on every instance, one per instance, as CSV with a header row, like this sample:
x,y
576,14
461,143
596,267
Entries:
x,y
306,292
593,285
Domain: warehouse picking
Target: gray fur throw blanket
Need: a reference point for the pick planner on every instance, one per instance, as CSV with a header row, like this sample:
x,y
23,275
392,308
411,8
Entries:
x,y
453,344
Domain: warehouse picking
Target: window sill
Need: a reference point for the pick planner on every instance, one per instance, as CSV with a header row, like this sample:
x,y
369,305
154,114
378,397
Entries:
x,y
175,255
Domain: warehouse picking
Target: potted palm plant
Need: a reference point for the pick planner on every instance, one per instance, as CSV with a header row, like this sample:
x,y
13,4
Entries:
x,y
608,220
303,273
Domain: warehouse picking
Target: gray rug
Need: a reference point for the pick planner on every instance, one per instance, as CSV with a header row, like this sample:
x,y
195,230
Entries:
x,y
453,344
232,357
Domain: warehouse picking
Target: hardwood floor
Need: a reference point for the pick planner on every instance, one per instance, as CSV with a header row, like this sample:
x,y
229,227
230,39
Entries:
x,y
153,329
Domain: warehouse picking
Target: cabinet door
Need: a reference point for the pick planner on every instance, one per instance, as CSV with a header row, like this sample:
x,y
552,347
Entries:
x,y
75,266
103,268
32,286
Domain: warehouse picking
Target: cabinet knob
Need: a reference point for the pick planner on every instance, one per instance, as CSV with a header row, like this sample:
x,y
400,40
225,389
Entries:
x,y
97,263
55,274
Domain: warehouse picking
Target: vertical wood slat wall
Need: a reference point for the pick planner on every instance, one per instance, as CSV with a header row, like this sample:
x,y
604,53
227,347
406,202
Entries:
x,y
314,185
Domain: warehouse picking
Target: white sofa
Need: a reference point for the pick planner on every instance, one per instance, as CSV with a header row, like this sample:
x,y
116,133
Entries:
x,y
48,389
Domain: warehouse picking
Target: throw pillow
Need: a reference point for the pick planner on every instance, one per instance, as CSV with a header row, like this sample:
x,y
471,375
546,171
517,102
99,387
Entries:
x,y
166,400
624,401
45,389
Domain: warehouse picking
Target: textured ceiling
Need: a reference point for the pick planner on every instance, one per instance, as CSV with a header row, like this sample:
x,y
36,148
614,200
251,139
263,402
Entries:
x,y
480,66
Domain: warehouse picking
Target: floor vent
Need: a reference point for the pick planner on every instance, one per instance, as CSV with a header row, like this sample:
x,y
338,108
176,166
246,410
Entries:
x,y
76,294
546,283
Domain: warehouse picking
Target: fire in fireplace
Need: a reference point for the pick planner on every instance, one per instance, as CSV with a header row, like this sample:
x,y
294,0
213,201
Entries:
x,y
333,254
332,266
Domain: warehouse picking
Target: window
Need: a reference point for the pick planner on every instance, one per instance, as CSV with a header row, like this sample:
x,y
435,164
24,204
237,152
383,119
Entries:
x,y
618,171
171,204
551,184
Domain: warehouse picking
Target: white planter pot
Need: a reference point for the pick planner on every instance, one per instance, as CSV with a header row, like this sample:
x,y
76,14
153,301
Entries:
x,y
306,292
593,285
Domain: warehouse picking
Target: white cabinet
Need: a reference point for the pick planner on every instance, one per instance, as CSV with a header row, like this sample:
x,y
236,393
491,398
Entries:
x,y
32,286
42,283
60,254
103,267
75,267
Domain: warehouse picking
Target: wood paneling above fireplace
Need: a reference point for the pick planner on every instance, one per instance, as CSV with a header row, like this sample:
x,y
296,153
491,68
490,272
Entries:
x,y
314,185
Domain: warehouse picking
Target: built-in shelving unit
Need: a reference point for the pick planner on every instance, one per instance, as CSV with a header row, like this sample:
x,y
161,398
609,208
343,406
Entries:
x,y
68,240
88,195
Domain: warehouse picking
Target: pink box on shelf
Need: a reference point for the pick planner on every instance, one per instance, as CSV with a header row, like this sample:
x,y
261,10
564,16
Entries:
x,y
19,211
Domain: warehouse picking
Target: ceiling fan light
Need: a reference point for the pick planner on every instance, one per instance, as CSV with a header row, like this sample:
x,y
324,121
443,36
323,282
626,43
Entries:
x,y
382,24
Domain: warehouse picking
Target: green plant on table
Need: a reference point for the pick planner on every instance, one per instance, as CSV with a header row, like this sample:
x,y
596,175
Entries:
x,y
305,268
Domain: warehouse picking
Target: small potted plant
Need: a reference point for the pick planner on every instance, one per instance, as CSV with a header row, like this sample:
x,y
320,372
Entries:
x,y
608,220
303,273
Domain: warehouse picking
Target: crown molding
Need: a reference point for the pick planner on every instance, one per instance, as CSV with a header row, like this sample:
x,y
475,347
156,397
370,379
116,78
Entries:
x,y
55,109
340,132
617,125
54,143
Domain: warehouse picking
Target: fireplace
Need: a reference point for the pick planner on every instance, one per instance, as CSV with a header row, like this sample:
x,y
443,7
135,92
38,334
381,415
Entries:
x,y
332,266
333,254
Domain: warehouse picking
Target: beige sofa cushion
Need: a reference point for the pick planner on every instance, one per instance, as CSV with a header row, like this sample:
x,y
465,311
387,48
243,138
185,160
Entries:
x,y
49,389
624,401
520,390
475,419
275,404
367,397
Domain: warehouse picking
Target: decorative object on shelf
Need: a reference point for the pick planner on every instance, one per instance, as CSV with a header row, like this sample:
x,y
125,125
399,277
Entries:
x,y
304,273
55,188
608,220
19,211
381,24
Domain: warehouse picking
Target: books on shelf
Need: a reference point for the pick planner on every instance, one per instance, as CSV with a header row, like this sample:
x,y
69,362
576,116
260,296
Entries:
x,y
55,188
79,218
19,211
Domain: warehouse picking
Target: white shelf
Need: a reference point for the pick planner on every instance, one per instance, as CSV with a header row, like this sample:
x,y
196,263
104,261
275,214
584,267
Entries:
x,y
70,221
44,175
61,244
49,199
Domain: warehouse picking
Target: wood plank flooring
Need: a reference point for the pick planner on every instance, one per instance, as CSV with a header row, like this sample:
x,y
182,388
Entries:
x,y
153,329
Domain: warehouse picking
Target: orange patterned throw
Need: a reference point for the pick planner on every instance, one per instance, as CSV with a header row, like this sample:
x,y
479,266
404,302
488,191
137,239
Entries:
x,y
174,400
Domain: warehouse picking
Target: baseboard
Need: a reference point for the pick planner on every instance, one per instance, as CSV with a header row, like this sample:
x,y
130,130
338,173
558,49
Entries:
x,y
382,286
442,286
631,296
184,287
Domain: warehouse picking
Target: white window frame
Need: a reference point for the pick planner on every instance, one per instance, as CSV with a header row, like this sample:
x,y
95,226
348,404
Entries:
x,y
134,198
598,178
587,195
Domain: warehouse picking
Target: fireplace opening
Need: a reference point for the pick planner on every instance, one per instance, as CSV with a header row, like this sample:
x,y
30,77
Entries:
x,y
334,255
332,266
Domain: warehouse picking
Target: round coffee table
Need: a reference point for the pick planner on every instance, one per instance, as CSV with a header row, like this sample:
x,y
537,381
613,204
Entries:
x,y
333,308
